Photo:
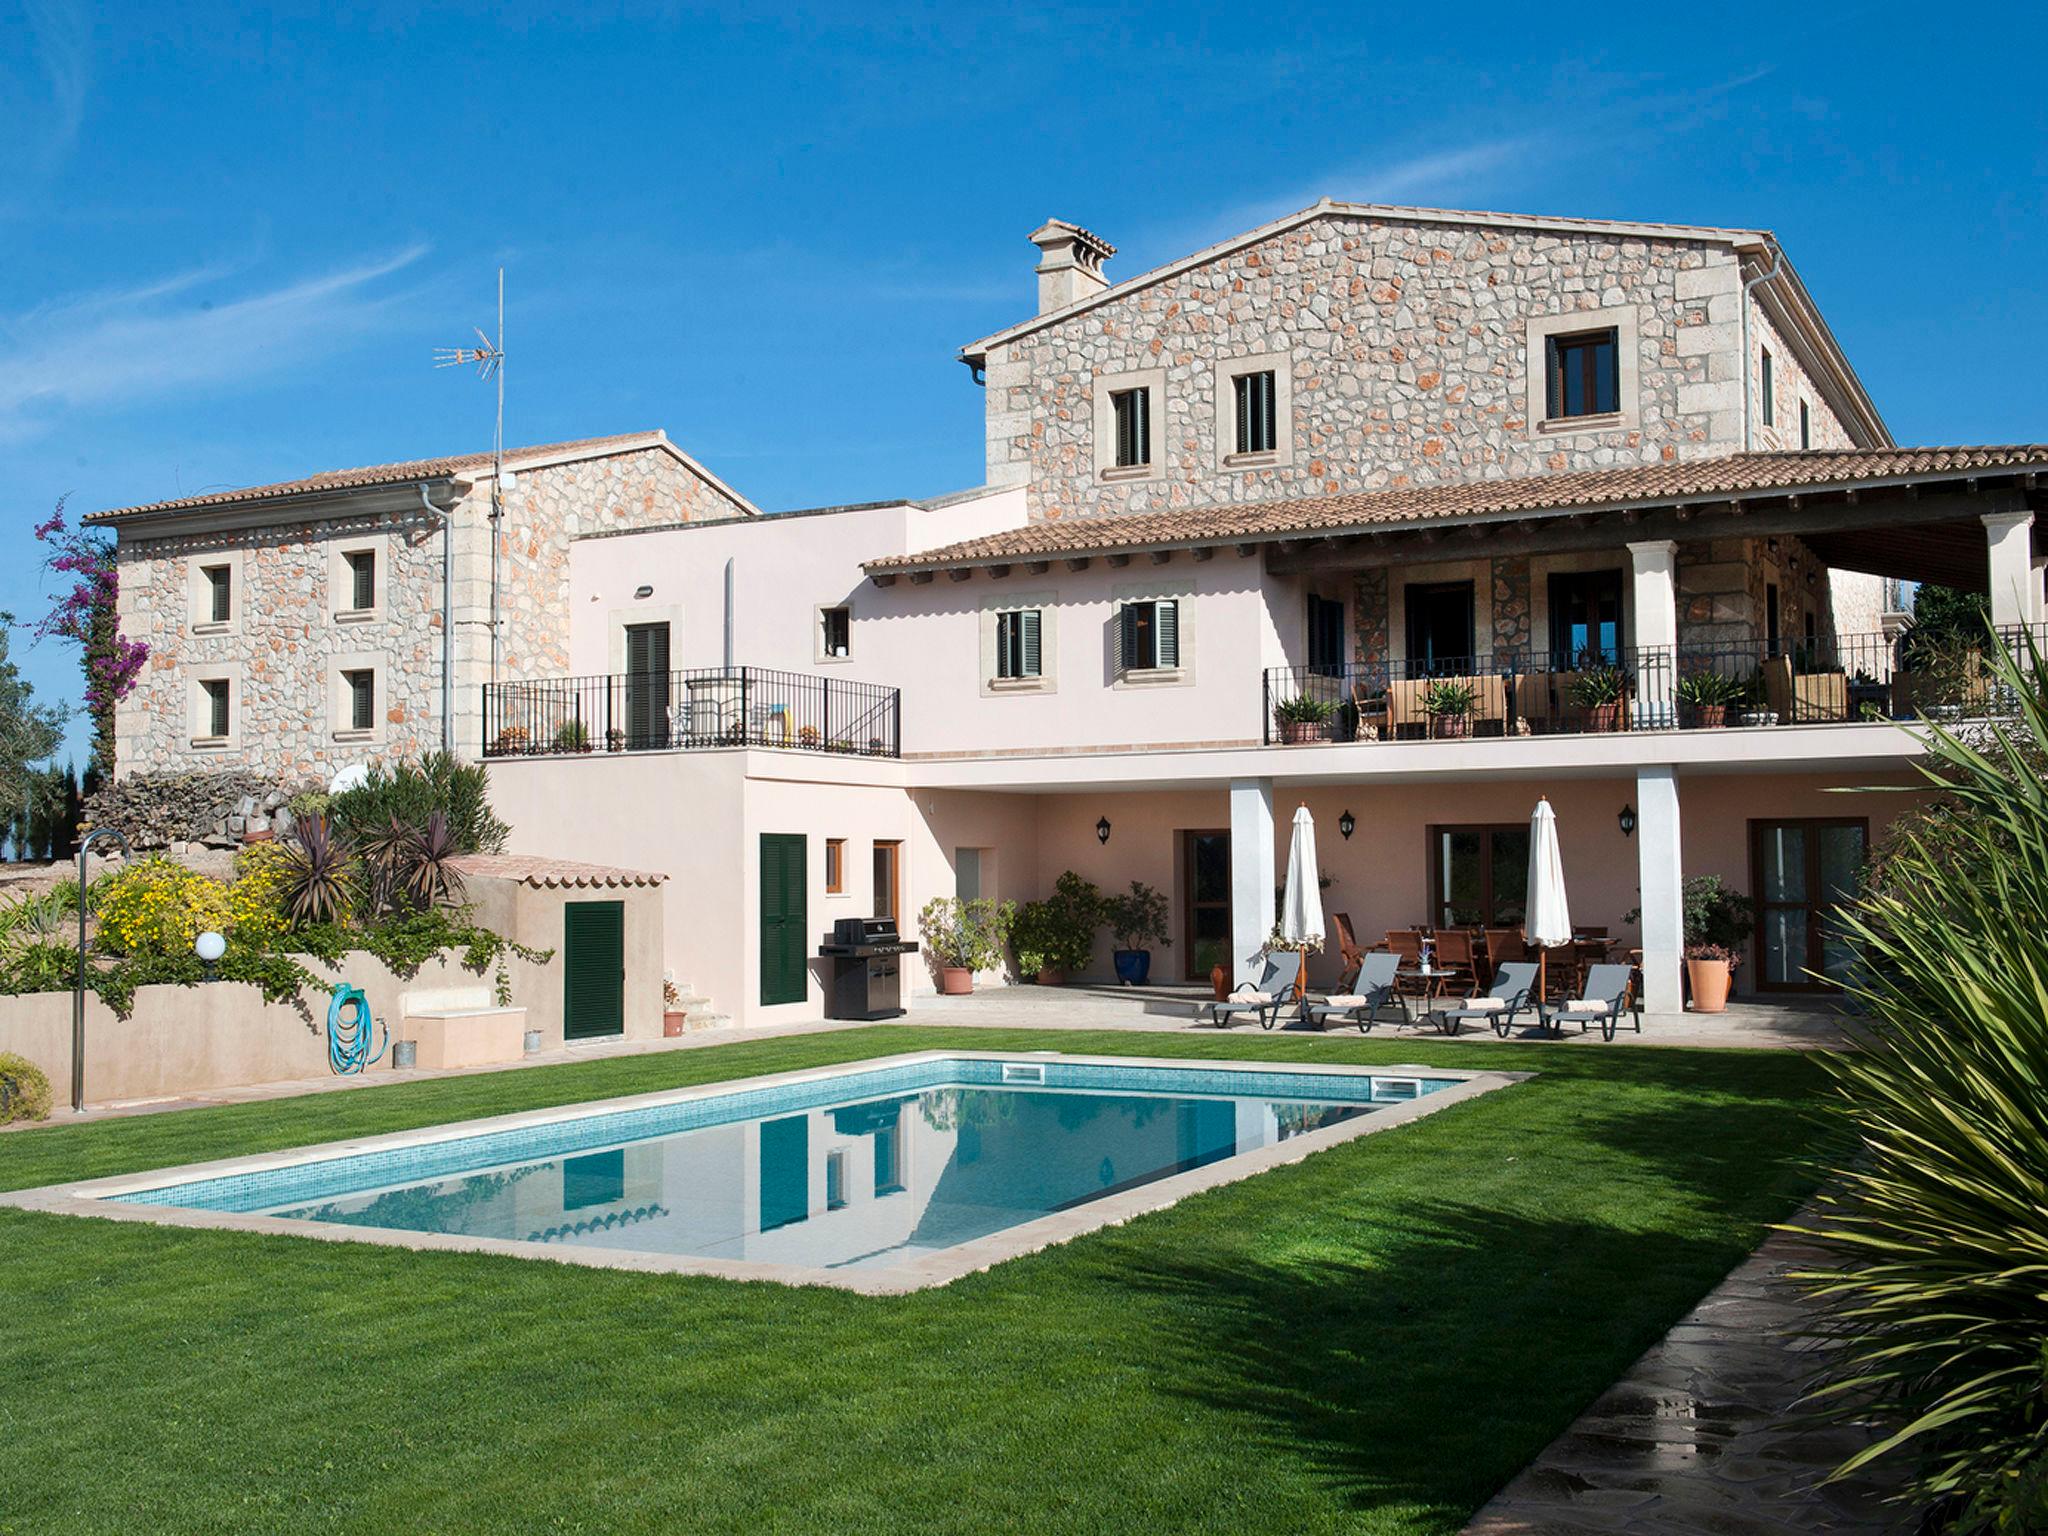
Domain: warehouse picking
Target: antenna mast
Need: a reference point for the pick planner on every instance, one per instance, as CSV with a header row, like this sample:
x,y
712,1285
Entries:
x,y
489,359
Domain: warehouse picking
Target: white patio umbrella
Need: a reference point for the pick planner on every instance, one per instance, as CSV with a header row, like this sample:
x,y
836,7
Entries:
x,y
1546,917
1301,906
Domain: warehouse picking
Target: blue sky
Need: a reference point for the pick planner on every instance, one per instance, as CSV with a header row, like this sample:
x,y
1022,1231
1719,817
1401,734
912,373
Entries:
x,y
229,246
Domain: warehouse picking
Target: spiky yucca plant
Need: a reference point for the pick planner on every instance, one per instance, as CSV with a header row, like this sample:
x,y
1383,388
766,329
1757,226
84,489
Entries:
x,y
317,875
1941,1216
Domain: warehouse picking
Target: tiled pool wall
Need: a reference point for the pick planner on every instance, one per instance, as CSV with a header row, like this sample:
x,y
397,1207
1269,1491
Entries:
x,y
322,1178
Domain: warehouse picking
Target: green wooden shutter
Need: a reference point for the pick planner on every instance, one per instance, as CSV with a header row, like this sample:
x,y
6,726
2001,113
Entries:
x,y
784,976
1127,637
593,969
647,680
1028,664
1166,633
363,566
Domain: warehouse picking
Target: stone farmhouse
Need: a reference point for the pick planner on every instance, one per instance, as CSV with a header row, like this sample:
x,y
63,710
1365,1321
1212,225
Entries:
x,y
1409,515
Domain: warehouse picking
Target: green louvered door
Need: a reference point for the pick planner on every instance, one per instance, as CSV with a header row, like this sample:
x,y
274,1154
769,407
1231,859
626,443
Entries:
x,y
593,969
784,977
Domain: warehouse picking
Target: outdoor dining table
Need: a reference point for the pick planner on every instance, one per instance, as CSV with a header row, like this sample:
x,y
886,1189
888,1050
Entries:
x,y
1415,1000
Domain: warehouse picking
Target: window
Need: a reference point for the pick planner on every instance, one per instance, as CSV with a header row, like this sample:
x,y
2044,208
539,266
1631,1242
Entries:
x,y
220,587
835,866
1583,375
1018,652
214,691
1771,618
888,891
1148,635
835,631
1258,422
1325,636
1769,390
1804,873
1585,618
1805,426
1478,875
1132,409
362,698
362,578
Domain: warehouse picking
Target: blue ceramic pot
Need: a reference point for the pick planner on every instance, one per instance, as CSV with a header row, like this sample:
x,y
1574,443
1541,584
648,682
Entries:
x,y
1133,966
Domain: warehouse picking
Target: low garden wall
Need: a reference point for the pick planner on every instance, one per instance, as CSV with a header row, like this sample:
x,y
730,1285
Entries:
x,y
193,1039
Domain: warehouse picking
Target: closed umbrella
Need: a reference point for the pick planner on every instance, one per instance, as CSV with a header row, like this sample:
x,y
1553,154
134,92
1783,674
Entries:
x,y
1301,905
1546,917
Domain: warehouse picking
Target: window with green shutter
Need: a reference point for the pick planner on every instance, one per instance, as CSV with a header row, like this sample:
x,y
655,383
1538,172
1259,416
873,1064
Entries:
x,y
220,593
1257,421
1017,643
785,975
362,699
362,574
1132,410
593,969
647,686
1148,635
214,692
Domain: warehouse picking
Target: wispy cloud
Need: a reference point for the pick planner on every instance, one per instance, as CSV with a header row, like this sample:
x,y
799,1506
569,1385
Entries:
x,y
46,123
120,346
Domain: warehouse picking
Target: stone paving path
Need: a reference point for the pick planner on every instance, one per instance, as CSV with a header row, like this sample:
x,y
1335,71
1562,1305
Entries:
x,y
1698,1436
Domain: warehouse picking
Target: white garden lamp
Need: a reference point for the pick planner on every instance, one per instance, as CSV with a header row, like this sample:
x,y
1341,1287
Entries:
x,y
1546,916
1301,904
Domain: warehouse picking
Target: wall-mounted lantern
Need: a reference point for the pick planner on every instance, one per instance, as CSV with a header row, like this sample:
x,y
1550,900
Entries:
x,y
1627,818
1347,824
1102,830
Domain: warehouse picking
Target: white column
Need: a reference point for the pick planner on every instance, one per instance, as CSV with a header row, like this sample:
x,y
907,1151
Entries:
x,y
1251,874
2015,581
1655,597
1660,875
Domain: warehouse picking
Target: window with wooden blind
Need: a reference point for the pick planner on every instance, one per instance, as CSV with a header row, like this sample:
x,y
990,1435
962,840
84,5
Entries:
x,y
362,698
220,593
362,579
1132,410
1258,420
1805,426
213,694
1018,649
1769,388
1582,376
1148,635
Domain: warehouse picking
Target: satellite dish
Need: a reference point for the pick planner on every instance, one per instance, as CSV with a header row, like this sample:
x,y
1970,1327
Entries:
x,y
354,776
508,481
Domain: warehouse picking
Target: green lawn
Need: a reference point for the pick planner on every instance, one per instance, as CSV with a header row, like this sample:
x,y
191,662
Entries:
x,y
1371,1340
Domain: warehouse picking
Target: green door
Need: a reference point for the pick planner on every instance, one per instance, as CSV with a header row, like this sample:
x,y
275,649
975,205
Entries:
x,y
593,969
784,977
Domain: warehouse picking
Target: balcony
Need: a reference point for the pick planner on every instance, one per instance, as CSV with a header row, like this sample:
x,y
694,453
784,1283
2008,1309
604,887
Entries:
x,y
692,711
1844,680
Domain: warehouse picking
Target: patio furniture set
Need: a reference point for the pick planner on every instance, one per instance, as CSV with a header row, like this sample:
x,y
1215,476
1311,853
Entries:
x,y
1435,977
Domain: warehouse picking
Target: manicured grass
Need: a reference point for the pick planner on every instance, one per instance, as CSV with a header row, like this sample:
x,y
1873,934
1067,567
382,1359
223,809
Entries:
x,y
1372,1340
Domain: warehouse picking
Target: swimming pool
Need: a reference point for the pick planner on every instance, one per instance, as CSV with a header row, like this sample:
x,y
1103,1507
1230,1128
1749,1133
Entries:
x,y
881,1176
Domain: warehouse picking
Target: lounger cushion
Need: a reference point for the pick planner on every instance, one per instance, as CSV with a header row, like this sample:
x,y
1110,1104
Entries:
x,y
1588,1005
1344,1000
1477,1003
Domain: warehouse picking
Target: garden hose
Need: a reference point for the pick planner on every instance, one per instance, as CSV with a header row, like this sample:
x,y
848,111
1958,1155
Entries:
x,y
348,1031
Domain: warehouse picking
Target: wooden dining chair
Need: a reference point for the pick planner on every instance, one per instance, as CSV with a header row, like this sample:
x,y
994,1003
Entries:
x,y
1560,971
1347,948
1454,957
1407,943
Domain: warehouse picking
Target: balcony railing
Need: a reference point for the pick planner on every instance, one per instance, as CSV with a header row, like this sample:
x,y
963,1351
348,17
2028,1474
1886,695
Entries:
x,y
692,710
1688,687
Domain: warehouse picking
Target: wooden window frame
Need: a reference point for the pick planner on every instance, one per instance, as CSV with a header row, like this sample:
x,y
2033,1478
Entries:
x,y
1433,836
220,593
1130,410
1556,405
361,684
894,884
1768,387
219,693
835,866
1255,397
1811,824
840,614
1014,649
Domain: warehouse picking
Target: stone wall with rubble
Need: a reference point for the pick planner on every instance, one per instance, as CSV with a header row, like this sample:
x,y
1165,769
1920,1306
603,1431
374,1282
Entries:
x,y
286,640
1408,346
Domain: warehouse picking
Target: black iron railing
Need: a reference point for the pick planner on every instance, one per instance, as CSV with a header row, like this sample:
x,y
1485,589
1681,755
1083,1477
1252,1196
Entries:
x,y
692,710
1840,680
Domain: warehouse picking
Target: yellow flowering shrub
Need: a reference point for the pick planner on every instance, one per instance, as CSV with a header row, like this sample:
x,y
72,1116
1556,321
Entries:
x,y
257,896
158,907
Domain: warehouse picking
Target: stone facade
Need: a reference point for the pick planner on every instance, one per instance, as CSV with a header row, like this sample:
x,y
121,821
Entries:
x,y
291,634
1407,347
1511,605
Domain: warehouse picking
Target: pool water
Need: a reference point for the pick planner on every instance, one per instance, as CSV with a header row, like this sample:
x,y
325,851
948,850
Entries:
x,y
864,1168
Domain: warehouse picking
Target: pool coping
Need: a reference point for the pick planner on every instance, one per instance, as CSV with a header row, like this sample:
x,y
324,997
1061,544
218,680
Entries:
x,y
93,1197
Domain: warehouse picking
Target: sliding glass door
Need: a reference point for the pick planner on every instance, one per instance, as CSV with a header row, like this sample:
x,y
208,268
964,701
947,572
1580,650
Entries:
x,y
1803,873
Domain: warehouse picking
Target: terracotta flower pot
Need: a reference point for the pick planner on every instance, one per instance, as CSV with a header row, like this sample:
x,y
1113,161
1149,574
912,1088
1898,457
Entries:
x,y
1049,977
1450,727
673,1023
1709,716
1300,733
1604,717
1219,982
955,980
1710,980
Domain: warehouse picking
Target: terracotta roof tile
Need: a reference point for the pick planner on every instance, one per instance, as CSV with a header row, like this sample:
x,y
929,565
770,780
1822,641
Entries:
x,y
373,475
1689,480
543,874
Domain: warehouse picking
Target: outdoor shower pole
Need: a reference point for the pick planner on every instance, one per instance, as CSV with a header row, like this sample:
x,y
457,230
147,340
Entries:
x,y
78,986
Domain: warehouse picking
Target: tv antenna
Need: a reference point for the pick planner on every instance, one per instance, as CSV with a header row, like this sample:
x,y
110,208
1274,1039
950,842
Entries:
x,y
488,358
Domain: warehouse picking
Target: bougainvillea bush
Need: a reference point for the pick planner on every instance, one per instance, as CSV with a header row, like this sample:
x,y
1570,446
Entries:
x,y
86,611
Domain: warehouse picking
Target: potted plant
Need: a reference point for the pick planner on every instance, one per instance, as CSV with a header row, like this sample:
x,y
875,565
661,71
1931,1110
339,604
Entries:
x,y
1600,692
1718,921
964,935
1704,697
514,738
615,740
673,1019
1303,719
573,736
1133,920
1752,706
807,736
1056,937
1869,698
1448,704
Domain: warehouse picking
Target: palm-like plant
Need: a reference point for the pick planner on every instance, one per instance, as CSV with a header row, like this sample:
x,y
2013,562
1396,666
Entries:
x,y
430,878
316,884
1941,1218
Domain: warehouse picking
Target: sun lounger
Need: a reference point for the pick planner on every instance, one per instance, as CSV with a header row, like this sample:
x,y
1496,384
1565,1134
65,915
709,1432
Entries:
x,y
1373,991
1604,995
1513,982
1263,1000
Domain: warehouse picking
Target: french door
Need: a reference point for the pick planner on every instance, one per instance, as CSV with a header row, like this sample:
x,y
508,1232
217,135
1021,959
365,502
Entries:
x,y
647,680
1803,873
1205,901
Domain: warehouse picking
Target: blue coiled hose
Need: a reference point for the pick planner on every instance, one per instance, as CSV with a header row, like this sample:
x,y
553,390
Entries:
x,y
348,1031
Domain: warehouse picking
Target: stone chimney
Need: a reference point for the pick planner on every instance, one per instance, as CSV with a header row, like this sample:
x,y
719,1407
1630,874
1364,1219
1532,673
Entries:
x,y
1069,264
